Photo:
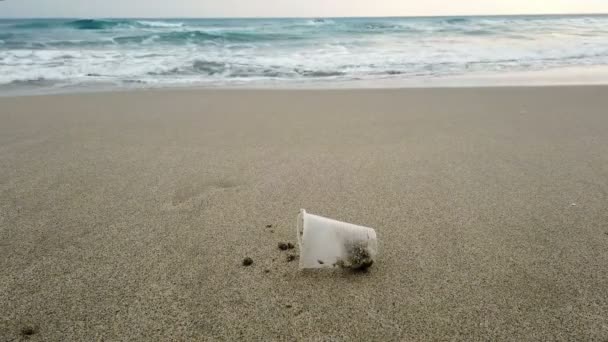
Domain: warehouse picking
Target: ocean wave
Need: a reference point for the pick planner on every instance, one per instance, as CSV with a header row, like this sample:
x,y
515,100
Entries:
x,y
292,30
32,82
245,70
197,36
469,31
36,25
56,44
380,26
376,27
319,22
209,68
19,44
456,20
97,24
479,32
197,67
159,24
240,51
320,73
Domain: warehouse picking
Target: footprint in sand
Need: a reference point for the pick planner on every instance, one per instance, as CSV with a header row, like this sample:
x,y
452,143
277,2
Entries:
x,y
191,196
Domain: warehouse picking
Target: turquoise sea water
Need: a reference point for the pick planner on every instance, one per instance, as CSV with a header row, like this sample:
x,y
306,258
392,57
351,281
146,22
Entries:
x,y
71,53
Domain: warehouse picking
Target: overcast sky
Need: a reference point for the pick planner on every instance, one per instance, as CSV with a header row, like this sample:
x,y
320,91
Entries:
x,y
289,8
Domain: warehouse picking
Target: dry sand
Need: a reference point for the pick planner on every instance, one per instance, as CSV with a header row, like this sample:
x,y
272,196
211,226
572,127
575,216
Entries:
x,y
126,216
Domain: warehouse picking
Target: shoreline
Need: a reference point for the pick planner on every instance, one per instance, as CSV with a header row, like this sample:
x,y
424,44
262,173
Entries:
x,y
295,91
558,77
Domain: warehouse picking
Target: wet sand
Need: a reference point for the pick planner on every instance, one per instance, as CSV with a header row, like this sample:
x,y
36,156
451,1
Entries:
x,y
127,216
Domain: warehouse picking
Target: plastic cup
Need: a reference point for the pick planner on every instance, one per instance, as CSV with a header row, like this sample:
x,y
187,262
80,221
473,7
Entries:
x,y
327,243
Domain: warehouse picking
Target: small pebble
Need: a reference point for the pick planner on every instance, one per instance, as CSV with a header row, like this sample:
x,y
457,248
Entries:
x,y
268,226
28,331
266,271
283,246
320,262
247,261
288,306
291,258
290,245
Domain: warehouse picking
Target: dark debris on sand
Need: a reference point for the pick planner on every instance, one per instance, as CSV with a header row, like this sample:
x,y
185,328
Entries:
x,y
291,257
247,261
359,259
28,331
286,245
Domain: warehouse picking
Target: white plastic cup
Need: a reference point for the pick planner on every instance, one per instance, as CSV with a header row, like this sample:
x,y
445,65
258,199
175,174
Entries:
x,y
327,243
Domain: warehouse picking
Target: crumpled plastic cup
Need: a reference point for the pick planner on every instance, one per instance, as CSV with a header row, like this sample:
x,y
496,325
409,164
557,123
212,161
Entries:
x,y
327,243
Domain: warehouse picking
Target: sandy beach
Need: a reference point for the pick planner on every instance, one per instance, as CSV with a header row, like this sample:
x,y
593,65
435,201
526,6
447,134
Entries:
x,y
126,215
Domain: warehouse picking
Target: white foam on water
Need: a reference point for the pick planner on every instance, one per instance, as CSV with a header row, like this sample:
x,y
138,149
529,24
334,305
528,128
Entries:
x,y
295,51
159,23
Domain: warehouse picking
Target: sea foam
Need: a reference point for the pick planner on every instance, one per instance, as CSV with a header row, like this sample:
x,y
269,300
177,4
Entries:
x,y
168,52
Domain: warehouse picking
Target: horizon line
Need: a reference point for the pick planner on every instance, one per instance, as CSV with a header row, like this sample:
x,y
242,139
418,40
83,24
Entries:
x,y
320,17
